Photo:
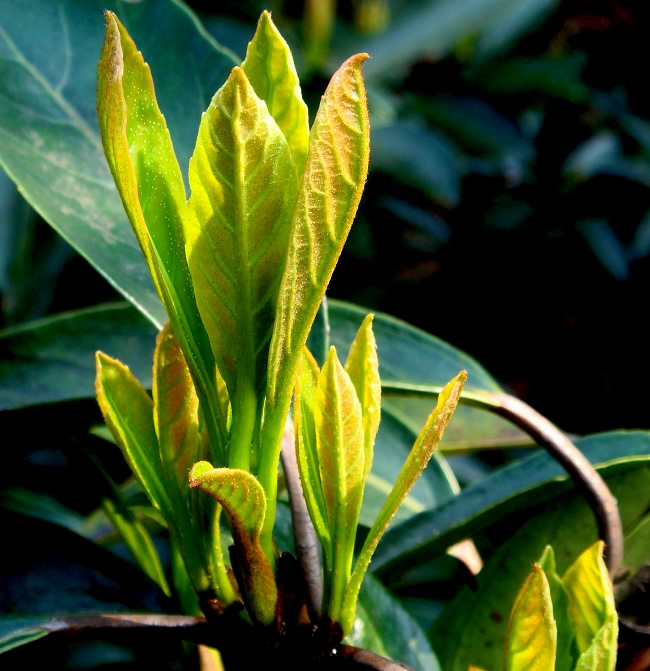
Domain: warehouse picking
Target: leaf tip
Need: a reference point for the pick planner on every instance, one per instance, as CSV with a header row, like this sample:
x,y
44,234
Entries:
x,y
199,469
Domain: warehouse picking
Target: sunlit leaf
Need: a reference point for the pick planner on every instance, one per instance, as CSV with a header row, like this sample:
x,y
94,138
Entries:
x,y
176,409
564,658
330,192
141,157
243,499
601,655
341,454
128,412
307,451
417,460
244,185
271,71
532,633
591,599
362,366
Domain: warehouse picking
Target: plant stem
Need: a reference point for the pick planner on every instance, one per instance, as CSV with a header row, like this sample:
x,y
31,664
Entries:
x,y
303,529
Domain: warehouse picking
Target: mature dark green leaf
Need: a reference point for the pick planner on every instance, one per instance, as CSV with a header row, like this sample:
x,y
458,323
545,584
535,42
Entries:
x,y
385,627
49,142
517,487
53,359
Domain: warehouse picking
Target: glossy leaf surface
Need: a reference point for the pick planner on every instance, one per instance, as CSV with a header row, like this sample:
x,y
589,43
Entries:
x,y
50,143
532,632
53,359
271,71
385,626
244,184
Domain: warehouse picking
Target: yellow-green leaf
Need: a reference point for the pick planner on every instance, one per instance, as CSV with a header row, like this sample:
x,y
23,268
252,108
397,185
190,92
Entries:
x,y
332,183
244,186
591,598
271,71
564,656
362,366
141,157
339,442
176,410
243,499
532,632
415,463
601,655
306,449
128,413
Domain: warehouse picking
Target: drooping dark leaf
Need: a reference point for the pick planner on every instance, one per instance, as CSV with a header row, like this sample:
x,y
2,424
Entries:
x,y
53,359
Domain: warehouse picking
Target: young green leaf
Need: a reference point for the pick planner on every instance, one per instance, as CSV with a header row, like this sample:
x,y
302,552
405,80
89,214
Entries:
x,y
601,654
532,633
176,411
244,186
330,191
138,541
141,157
591,599
307,452
243,499
271,71
564,659
362,366
128,413
417,460
340,446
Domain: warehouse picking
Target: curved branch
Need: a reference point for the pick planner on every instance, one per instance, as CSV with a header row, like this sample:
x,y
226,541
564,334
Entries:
x,y
364,659
585,477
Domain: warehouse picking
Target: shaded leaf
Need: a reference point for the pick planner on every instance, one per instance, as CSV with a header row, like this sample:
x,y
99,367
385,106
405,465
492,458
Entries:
x,y
49,142
139,543
517,487
532,632
385,627
271,71
53,359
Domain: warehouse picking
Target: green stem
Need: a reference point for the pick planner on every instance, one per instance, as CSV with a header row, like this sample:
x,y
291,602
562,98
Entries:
x,y
244,419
